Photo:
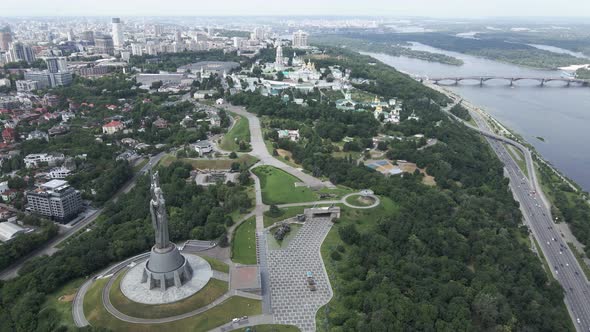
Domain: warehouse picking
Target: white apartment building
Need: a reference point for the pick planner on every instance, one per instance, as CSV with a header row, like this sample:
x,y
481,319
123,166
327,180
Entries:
x,y
33,160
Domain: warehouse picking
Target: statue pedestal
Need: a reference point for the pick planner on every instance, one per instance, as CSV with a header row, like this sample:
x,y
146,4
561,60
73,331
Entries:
x,y
166,268
151,292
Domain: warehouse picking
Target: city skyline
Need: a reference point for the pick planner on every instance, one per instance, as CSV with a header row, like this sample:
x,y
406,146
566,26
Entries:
x,y
421,8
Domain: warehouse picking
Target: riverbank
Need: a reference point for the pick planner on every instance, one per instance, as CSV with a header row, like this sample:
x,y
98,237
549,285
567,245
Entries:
x,y
566,199
555,112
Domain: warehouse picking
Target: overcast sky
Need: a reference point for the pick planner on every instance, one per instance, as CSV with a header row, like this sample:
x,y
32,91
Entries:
x,y
433,8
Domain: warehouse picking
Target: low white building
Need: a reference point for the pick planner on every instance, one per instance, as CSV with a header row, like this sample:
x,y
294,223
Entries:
x,y
202,94
37,134
59,173
26,85
128,155
3,186
9,231
33,160
290,134
203,147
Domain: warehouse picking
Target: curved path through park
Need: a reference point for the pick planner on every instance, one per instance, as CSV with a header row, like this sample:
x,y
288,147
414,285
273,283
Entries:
x,y
260,151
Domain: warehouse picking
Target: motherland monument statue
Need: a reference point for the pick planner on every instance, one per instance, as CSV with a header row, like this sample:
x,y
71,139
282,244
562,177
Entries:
x,y
158,212
166,266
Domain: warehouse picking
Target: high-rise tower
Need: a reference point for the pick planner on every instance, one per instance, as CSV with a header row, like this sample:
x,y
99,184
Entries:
x,y
5,38
300,39
118,40
279,60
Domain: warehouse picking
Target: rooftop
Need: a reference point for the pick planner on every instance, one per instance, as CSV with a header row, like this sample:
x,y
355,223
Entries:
x,y
54,184
9,230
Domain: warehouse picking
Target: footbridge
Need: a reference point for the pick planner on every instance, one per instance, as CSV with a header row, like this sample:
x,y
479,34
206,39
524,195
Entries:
x,y
510,80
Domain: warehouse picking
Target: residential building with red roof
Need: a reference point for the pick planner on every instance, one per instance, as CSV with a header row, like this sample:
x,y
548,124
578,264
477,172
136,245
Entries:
x,y
9,135
112,127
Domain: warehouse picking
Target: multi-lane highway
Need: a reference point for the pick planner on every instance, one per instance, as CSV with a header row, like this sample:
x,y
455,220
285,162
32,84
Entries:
x,y
564,266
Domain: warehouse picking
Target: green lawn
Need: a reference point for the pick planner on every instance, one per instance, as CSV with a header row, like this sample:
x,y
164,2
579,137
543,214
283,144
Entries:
x,y
237,214
216,264
288,212
270,328
336,193
355,200
341,154
518,158
364,220
61,302
239,132
234,307
213,290
278,187
243,247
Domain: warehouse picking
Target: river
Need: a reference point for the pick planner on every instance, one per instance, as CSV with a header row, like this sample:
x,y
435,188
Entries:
x,y
558,114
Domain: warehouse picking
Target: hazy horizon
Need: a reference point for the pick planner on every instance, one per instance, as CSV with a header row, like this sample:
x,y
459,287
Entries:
x,y
382,8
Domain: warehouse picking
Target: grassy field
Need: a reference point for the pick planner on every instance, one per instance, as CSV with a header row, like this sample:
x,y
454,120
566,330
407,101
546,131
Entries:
x,y
213,290
341,154
246,159
364,220
270,328
216,264
239,132
234,307
518,158
61,302
278,187
355,200
336,193
243,248
237,214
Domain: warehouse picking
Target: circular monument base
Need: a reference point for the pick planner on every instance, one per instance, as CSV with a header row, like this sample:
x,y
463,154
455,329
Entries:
x,y
139,292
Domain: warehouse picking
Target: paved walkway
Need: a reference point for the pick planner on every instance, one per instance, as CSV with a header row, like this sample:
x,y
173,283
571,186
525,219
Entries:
x,y
220,275
292,302
341,201
259,150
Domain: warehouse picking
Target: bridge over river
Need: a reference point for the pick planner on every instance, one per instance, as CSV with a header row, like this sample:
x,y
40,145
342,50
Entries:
x,y
510,80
